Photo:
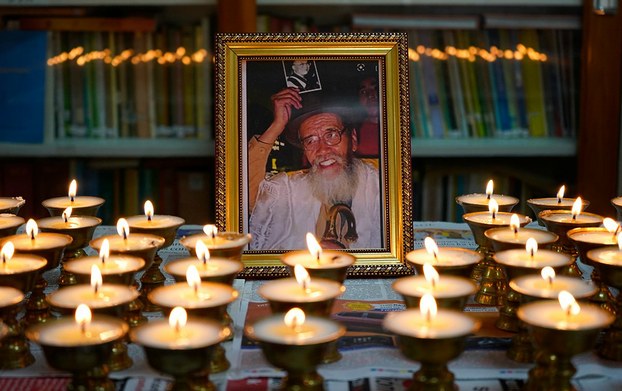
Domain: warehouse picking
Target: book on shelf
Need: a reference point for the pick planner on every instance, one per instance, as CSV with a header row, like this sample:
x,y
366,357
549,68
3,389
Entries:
x,y
23,86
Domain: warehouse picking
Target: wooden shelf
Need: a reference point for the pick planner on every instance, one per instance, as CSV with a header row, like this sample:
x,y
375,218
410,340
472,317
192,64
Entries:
x,y
490,147
137,148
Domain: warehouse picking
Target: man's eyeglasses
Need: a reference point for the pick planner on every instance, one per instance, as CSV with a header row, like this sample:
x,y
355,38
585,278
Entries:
x,y
330,138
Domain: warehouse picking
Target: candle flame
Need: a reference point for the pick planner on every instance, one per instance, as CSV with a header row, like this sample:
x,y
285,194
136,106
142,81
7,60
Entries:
x,y
548,274
67,213
210,230
73,190
294,318
427,307
560,194
431,247
148,208
577,206
611,225
430,274
8,249
178,318
32,229
104,251
302,276
489,188
493,207
193,278
568,303
83,317
123,228
531,246
314,247
514,223
96,278
202,251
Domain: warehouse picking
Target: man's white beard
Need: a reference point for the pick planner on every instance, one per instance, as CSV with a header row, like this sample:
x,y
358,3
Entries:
x,y
336,189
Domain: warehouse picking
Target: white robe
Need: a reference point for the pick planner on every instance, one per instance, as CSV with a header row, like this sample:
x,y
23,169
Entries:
x,y
286,210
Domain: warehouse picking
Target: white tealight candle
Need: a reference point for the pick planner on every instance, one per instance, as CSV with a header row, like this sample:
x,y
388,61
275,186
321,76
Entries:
x,y
196,333
222,240
74,222
153,221
114,264
329,259
496,219
606,255
211,268
314,330
550,314
508,235
535,286
446,256
445,324
19,263
107,296
9,203
593,236
8,220
541,258
133,242
78,202
66,332
568,217
289,290
447,286
207,295
10,296
43,241
482,199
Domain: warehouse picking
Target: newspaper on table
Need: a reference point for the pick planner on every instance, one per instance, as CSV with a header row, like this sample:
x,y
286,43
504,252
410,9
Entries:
x,y
371,360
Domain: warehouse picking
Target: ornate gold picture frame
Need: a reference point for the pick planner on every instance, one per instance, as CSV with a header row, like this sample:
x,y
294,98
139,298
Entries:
x,y
281,144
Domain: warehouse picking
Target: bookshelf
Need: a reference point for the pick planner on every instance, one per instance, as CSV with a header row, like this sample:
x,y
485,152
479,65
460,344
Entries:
x,y
590,149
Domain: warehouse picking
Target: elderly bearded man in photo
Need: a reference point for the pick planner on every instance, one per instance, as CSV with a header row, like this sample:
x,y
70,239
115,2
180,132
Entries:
x,y
337,198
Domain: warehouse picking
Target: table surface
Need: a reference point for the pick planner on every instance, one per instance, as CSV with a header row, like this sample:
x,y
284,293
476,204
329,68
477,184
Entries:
x,y
370,360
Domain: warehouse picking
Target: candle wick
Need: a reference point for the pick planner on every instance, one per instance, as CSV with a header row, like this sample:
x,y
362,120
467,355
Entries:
x,y
65,217
177,328
149,218
559,200
428,317
550,282
574,217
124,235
317,258
83,327
32,235
71,199
488,196
494,215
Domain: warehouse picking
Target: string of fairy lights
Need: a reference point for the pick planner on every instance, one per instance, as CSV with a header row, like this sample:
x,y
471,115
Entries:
x,y
81,58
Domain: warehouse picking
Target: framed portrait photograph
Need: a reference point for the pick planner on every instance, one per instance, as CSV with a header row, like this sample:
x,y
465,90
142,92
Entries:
x,y
312,136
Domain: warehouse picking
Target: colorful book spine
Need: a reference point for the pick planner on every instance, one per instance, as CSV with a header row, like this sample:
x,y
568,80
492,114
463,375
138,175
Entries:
x,y
534,88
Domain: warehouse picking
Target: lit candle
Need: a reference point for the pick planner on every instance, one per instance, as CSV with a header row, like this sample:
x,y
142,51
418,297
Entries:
x,y
179,332
429,322
10,296
65,223
571,217
441,287
295,328
212,269
558,202
443,258
97,295
317,258
547,285
153,221
564,314
301,289
12,263
605,236
84,330
109,265
221,244
608,255
11,204
478,202
33,240
125,242
194,294
494,217
532,258
82,205
9,223
515,236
